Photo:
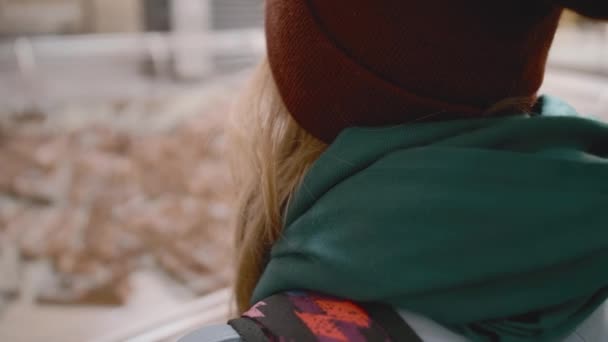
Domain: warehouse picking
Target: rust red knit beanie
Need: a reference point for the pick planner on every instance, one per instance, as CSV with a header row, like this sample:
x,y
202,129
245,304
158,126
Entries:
x,y
342,63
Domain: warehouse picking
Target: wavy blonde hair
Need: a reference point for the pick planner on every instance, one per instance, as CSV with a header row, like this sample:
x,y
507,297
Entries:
x,y
272,154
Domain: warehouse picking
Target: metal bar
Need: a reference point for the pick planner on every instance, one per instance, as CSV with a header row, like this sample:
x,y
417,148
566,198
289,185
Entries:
x,y
134,45
207,310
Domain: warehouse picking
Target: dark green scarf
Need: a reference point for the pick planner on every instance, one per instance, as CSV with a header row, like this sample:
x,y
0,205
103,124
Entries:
x,y
472,223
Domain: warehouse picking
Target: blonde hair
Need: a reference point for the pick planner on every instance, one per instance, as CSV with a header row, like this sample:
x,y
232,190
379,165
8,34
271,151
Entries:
x,y
271,157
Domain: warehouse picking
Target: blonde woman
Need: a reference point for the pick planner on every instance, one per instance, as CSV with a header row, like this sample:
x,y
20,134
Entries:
x,y
402,181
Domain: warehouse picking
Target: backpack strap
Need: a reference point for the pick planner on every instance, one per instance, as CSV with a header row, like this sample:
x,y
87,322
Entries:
x,y
394,325
308,317
248,329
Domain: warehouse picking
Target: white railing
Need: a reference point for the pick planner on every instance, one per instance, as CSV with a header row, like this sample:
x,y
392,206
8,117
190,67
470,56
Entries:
x,y
38,71
34,51
211,309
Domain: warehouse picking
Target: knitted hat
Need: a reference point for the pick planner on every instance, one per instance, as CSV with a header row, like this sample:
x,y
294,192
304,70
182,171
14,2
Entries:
x,y
342,63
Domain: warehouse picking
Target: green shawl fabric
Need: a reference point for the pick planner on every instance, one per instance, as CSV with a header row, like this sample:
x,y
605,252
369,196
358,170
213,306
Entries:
x,y
472,223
